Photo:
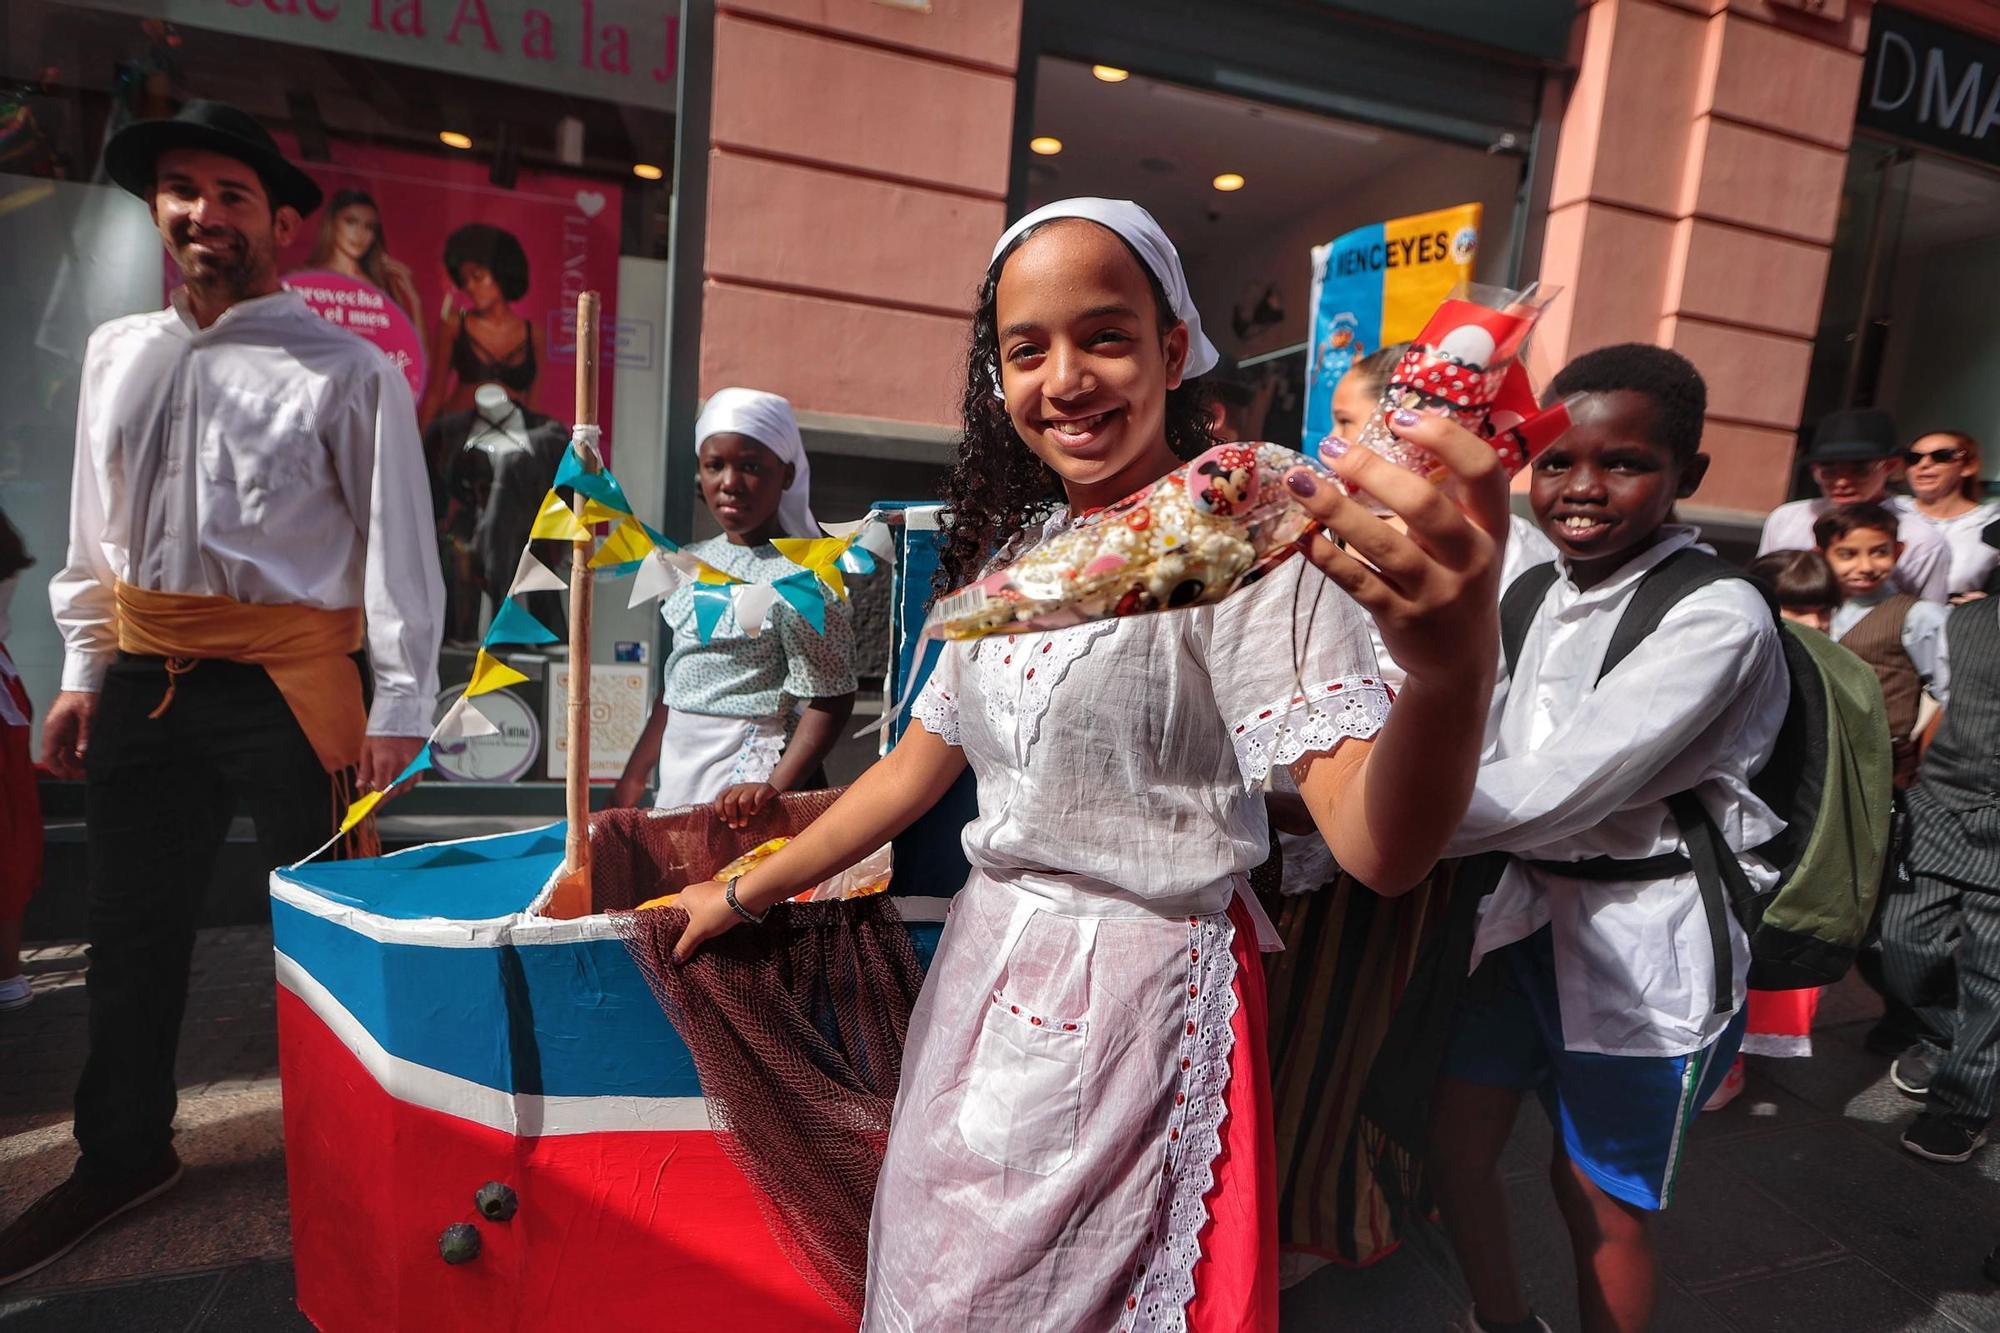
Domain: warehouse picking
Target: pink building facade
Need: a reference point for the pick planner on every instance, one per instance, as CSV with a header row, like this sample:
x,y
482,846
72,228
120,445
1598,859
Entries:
x,y
1691,180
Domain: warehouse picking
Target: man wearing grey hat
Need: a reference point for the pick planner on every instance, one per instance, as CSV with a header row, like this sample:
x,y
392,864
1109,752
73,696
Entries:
x,y
1854,456
249,507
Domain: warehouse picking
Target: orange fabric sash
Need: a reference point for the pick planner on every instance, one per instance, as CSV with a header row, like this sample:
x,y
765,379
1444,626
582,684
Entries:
x,y
304,648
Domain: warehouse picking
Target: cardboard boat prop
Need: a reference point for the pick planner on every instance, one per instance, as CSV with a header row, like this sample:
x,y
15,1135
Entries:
x,y
490,1122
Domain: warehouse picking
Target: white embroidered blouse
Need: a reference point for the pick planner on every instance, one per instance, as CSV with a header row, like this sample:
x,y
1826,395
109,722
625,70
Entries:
x,y
1128,752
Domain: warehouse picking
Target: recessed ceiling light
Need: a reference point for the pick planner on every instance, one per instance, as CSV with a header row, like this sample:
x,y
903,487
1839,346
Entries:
x,y
1110,73
1047,145
646,171
1227,182
453,139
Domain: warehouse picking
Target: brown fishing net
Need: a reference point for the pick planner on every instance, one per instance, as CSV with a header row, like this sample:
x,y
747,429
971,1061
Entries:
x,y
796,1027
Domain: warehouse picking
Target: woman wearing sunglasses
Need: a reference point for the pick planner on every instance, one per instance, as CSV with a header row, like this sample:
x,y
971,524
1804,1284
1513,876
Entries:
x,y
1947,492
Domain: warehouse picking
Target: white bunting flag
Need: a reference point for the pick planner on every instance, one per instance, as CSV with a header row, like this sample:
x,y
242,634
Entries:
x,y
753,606
531,575
660,575
462,721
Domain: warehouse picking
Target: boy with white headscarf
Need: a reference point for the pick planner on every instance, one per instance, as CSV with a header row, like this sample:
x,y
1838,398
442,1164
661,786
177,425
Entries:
x,y
742,717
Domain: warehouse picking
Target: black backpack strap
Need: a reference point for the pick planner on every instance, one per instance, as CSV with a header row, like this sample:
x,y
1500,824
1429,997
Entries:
x,y
1518,606
1724,886
1660,591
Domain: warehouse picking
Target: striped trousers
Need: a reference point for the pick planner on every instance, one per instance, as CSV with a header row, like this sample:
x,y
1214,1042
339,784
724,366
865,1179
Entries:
x,y
1941,958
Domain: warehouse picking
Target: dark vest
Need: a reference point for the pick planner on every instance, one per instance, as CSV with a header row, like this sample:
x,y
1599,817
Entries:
x,y
1877,639
1962,768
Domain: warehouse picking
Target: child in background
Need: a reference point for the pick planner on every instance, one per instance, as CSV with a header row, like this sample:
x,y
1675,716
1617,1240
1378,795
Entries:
x,y
741,719
1948,492
1779,1023
20,801
1596,988
1854,457
1898,635
1901,638
1946,938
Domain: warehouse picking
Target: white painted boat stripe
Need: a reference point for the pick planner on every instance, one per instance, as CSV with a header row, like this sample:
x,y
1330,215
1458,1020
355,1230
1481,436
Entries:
x,y
519,1114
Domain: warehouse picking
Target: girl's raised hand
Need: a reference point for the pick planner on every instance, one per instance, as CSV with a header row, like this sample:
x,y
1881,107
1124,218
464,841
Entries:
x,y
1433,589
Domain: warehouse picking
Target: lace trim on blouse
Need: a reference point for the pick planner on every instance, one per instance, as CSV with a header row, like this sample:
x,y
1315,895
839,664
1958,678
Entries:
x,y
1316,719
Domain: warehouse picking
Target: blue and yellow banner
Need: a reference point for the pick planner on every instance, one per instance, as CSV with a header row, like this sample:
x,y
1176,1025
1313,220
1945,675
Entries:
x,y
1376,286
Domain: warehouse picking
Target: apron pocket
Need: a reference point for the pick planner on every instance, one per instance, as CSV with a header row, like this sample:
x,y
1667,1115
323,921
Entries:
x,y
1024,1090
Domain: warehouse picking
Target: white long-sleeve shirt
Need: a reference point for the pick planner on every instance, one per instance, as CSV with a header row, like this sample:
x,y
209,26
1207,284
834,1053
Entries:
x,y
1972,560
1575,768
1924,568
272,458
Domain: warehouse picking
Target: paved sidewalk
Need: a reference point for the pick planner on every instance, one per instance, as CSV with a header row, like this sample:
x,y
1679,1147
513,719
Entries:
x,y
1798,1212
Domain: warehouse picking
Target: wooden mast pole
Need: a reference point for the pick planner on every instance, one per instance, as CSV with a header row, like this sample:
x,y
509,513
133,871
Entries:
x,y
573,897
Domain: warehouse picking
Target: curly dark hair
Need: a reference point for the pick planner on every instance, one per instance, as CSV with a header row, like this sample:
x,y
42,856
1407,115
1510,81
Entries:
x,y
14,555
492,248
997,486
1680,396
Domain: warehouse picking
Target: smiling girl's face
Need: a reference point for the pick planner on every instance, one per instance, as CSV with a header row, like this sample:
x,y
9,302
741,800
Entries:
x,y
1083,363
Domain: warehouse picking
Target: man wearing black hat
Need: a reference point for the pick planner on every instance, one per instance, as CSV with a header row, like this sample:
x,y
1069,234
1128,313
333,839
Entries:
x,y
249,507
1854,456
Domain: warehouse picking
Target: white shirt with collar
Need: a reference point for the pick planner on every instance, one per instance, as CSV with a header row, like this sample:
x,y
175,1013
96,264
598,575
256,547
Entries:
x,y
1575,768
1924,568
272,458
1923,637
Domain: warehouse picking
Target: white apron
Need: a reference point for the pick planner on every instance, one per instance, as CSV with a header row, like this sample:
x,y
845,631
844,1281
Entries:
x,y
701,756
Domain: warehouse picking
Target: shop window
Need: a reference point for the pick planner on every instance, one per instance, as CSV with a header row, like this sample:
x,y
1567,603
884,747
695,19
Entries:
x,y
467,203
1908,322
1246,189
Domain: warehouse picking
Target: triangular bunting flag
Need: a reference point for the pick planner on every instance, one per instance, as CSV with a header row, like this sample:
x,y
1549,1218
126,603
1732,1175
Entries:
x,y
513,624
802,592
531,575
753,606
596,511
659,575
361,809
462,721
819,554
878,540
710,601
415,766
489,673
600,485
555,522
856,560
626,545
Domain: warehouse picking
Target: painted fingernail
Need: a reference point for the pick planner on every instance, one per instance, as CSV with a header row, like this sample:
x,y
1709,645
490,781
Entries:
x,y
1302,483
1405,418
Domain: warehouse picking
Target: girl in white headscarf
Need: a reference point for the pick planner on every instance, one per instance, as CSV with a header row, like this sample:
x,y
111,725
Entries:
x,y
1082,1134
742,718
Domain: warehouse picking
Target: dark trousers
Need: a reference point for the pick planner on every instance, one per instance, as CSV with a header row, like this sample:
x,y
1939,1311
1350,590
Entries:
x,y
1941,957
159,795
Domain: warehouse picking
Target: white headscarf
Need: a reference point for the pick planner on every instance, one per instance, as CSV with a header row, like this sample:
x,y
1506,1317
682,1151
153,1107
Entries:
x,y
767,419
1136,226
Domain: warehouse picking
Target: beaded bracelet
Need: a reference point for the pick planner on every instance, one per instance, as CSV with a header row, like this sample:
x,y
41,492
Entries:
x,y
729,896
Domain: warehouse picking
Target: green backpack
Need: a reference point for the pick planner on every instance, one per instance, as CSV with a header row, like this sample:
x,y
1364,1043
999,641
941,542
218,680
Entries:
x,y
1828,778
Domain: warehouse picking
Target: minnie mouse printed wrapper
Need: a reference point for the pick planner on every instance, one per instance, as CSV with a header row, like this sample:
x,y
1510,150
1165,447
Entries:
x,y
1196,535
1466,365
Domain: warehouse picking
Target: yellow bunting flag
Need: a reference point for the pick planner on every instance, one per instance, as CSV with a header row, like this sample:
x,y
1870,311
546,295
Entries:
x,y
489,673
707,573
555,522
820,555
360,810
596,511
627,544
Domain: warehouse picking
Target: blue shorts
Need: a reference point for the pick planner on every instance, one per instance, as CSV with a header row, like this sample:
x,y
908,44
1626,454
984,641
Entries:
x,y
1624,1118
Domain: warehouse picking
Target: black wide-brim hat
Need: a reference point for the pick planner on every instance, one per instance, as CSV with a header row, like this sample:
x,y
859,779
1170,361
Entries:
x,y
131,153
1855,435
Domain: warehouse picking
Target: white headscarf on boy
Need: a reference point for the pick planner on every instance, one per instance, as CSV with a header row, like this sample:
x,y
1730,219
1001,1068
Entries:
x,y
1138,230
767,419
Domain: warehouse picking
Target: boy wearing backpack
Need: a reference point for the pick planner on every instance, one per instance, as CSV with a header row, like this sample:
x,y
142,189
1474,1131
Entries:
x,y
1612,990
